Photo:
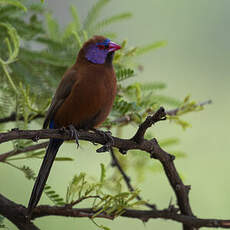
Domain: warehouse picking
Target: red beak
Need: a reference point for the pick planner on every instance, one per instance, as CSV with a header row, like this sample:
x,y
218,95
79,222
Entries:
x,y
113,46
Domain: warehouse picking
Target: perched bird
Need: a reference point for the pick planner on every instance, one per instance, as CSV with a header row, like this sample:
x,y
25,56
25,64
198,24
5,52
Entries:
x,y
82,100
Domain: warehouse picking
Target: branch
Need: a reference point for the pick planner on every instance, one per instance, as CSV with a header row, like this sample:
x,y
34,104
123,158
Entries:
x,y
16,213
137,142
174,112
144,215
13,117
4,156
149,121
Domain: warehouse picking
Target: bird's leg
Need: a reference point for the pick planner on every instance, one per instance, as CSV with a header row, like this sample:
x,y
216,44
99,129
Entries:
x,y
74,133
108,139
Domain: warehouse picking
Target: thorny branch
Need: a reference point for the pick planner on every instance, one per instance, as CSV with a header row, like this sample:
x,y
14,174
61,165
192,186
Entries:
x,y
16,213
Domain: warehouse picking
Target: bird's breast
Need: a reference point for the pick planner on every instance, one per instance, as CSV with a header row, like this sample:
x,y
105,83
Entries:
x,y
90,100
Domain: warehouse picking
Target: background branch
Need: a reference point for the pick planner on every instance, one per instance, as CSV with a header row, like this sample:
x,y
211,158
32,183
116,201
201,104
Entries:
x,y
116,163
4,156
124,119
13,117
16,213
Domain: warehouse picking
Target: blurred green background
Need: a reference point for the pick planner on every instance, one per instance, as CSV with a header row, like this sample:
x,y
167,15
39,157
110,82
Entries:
x,y
196,62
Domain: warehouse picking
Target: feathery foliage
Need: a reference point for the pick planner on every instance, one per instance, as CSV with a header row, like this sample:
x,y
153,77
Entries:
x,y
81,189
50,193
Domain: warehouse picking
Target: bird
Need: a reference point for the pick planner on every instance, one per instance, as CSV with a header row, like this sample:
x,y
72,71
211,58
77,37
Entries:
x,y
83,100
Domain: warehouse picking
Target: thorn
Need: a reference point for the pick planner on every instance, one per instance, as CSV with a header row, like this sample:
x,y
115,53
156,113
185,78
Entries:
x,y
15,129
178,187
123,151
144,220
188,188
62,130
35,139
94,143
172,157
163,118
161,109
104,148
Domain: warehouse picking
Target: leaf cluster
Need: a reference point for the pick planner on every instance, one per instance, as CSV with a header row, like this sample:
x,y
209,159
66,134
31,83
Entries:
x,y
81,188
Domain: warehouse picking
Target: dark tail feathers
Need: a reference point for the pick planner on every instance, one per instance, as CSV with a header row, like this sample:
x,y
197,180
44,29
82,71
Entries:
x,y
43,173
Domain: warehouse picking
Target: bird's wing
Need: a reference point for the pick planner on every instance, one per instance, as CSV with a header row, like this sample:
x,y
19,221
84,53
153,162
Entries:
x,y
62,92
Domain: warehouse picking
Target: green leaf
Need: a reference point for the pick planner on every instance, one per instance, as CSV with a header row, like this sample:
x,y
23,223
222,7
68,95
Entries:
x,y
53,27
94,12
152,86
108,21
168,142
14,3
64,159
178,154
53,195
123,74
103,173
75,17
150,47
14,37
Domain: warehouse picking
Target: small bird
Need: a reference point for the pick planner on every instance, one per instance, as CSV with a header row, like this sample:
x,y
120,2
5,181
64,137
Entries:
x,y
82,100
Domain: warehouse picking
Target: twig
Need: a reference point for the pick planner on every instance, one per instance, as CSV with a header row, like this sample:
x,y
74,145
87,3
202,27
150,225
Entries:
x,y
4,156
116,163
81,199
159,115
13,117
174,112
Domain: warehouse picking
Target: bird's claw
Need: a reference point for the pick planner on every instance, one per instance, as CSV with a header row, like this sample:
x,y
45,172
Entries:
x,y
73,134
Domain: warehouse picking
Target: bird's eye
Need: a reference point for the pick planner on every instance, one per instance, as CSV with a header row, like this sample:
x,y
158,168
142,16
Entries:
x,y
101,47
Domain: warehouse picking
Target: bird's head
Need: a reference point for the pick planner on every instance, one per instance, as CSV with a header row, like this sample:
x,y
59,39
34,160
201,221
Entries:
x,y
99,50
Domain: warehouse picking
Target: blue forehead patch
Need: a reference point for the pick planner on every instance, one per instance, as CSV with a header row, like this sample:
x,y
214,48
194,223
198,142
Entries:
x,y
105,42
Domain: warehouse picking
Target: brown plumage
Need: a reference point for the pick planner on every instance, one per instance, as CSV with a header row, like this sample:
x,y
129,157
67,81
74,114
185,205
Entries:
x,y
88,90
83,99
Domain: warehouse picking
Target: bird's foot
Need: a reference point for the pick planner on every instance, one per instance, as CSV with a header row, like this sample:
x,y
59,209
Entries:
x,y
108,140
73,133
